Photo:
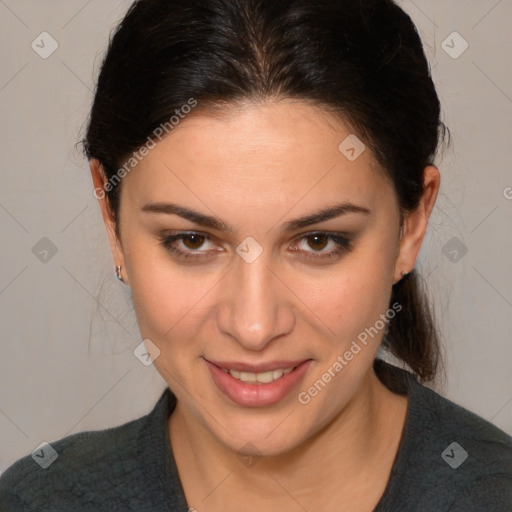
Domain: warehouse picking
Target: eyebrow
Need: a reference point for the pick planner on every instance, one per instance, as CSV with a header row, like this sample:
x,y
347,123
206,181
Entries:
x,y
211,222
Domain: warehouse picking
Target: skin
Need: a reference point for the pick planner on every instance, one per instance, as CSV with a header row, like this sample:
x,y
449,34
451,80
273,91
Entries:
x,y
255,167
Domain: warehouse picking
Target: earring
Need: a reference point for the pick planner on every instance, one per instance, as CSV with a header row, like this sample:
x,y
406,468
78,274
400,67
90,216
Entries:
x,y
118,273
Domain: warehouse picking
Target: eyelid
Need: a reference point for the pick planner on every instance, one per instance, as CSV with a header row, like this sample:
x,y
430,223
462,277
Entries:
x,y
168,238
342,241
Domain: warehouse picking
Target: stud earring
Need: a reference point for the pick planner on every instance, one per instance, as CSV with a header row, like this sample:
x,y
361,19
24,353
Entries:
x,y
118,273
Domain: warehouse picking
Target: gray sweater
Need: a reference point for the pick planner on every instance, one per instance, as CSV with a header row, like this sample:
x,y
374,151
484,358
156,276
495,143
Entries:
x,y
449,460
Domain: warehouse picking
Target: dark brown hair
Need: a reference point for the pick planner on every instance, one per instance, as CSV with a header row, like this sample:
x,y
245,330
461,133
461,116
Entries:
x,y
362,59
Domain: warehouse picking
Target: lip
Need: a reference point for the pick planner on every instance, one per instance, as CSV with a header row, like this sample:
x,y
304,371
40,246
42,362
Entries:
x,y
257,368
257,394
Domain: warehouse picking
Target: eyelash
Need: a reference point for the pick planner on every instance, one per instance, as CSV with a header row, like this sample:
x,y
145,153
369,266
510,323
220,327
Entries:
x,y
343,243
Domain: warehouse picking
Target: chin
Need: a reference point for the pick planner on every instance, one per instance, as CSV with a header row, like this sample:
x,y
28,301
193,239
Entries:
x,y
257,437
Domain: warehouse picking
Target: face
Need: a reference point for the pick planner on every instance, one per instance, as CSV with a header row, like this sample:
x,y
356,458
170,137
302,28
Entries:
x,y
251,243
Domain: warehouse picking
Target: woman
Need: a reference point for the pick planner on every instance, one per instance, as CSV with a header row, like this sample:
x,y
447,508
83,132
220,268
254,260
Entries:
x,y
265,174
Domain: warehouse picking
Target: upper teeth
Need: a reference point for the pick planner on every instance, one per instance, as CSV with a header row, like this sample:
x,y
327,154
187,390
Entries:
x,y
258,377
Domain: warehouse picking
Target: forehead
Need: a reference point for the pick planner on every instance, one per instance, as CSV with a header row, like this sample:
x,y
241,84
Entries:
x,y
263,153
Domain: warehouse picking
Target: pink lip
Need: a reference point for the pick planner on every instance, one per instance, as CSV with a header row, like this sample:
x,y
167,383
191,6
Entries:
x,y
257,394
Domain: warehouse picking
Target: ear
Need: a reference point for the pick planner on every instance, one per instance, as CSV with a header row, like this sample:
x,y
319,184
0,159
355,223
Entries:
x,y
415,224
99,180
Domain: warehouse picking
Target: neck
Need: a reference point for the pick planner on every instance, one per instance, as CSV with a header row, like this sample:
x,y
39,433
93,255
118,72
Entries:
x,y
359,442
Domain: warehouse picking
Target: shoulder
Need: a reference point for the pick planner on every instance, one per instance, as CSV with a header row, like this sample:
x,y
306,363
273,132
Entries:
x,y
438,416
71,466
449,459
474,457
94,470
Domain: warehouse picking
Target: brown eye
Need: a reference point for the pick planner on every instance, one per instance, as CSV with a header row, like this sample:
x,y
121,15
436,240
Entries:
x,y
322,247
317,241
189,246
193,241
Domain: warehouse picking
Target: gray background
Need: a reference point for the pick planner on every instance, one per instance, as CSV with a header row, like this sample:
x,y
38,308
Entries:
x,y
67,326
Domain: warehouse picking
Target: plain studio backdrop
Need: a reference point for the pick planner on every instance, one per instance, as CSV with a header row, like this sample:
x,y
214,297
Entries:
x,y
68,329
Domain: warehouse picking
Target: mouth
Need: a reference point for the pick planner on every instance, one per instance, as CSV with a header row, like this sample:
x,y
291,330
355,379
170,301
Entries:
x,y
257,385
259,378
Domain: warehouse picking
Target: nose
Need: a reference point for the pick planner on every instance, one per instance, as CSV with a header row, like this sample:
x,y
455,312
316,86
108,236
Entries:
x,y
255,307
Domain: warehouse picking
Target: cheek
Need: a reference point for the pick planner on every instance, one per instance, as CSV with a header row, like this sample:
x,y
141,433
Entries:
x,y
350,297
167,299
175,302
171,310
167,304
